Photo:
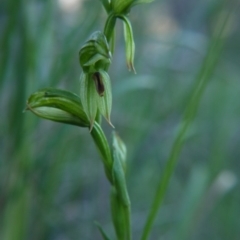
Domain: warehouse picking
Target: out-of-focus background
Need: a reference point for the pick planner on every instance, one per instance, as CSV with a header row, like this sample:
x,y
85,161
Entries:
x,y
52,184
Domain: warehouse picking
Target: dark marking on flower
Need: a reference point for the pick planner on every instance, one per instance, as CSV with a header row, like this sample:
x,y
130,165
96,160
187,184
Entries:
x,y
98,83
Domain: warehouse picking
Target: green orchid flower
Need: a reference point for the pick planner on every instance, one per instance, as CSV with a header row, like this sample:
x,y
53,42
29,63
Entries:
x,y
96,95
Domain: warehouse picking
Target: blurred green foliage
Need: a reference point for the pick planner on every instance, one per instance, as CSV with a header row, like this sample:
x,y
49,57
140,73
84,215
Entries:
x,y
52,183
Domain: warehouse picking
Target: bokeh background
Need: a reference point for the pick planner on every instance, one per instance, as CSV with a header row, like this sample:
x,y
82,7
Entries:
x,y
52,184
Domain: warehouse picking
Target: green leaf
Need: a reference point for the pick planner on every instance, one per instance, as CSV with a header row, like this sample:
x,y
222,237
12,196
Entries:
x,y
118,215
129,42
104,235
58,105
119,178
121,206
104,149
120,149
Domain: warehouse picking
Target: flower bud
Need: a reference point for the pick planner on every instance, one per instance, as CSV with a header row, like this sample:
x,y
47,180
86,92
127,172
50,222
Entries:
x,y
58,105
95,53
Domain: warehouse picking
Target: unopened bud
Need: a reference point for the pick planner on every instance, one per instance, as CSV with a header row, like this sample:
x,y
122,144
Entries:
x,y
59,106
95,52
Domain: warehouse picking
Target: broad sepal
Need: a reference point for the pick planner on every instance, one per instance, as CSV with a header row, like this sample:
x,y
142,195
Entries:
x,y
96,95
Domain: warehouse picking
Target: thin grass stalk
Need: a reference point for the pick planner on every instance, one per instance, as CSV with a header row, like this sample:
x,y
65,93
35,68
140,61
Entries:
x,y
202,80
15,219
5,43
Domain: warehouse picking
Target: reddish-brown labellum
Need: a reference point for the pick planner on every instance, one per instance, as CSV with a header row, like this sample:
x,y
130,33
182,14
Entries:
x,y
98,83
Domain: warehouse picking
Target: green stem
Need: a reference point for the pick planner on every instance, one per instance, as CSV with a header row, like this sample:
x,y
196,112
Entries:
x,y
201,82
112,43
109,26
122,196
104,149
119,204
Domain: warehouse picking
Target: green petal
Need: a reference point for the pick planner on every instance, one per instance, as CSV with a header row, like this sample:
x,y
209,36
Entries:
x,y
102,46
97,78
93,59
95,51
89,97
105,101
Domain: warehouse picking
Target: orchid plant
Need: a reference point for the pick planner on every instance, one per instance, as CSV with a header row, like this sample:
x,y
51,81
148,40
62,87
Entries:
x,y
95,100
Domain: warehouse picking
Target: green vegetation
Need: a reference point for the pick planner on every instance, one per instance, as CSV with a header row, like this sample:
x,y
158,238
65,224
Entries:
x,y
179,118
